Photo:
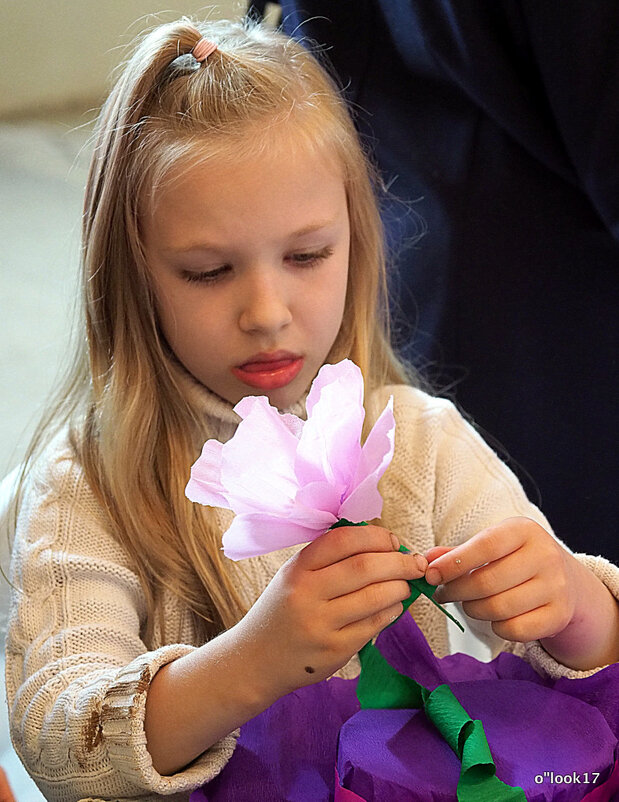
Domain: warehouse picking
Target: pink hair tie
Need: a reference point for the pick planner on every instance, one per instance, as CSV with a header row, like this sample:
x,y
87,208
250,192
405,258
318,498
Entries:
x,y
203,49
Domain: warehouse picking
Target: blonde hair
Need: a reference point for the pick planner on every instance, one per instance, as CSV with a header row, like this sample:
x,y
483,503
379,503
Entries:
x,y
134,430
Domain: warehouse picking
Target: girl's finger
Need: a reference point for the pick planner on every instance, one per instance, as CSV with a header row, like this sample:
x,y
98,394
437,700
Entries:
x,y
338,544
489,580
368,568
516,601
543,622
436,551
486,546
367,603
359,633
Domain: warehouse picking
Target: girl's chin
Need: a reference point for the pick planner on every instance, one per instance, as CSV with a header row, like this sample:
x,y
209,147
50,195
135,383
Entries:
x,y
282,398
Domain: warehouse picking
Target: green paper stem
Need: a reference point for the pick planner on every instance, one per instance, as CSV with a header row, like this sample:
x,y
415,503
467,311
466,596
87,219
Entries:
x,y
422,586
380,686
418,586
344,522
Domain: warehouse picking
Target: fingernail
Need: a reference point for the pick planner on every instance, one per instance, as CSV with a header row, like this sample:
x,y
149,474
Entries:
x,y
395,541
433,576
420,561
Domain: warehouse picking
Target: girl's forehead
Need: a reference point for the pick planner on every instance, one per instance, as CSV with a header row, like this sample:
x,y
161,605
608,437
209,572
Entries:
x,y
257,152
237,195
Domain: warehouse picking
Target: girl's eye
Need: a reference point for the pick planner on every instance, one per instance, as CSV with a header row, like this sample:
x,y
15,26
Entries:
x,y
311,259
206,276
306,259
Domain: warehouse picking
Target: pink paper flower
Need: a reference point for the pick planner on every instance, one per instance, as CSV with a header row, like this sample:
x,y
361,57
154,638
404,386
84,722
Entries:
x,y
290,480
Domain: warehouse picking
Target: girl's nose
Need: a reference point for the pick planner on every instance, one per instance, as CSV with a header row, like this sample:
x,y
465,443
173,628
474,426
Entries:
x,y
264,305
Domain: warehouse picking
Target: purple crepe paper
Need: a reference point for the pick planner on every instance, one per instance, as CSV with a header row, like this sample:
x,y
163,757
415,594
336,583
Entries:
x,y
287,754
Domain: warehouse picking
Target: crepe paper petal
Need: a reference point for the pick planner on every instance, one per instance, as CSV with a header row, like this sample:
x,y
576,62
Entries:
x,y
377,451
252,534
345,374
261,432
248,406
295,425
608,790
380,686
365,501
205,486
343,794
329,446
303,475
399,754
320,496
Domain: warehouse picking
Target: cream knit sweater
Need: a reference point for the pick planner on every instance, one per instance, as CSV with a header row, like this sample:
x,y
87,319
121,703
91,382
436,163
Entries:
x,y
78,670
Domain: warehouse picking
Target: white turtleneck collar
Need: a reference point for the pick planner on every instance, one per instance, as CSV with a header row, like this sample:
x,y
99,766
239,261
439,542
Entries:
x,y
222,419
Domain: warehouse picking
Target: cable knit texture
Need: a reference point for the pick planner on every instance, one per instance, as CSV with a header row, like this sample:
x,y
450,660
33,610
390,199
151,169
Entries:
x,y
78,669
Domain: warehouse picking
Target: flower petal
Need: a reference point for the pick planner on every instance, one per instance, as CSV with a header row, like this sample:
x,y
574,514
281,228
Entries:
x,y
345,371
364,502
205,485
294,424
254,534
289,480
320,496
246,405
258,462
329,446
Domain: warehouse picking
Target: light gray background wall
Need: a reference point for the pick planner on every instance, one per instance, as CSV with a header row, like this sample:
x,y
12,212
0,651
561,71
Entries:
x,y
56,52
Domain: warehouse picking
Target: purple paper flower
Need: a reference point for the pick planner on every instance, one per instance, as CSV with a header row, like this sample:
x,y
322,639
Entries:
x,y
290,480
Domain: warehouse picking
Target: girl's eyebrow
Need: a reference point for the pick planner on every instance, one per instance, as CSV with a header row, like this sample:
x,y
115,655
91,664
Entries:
x,y
312,228
198,246
208,246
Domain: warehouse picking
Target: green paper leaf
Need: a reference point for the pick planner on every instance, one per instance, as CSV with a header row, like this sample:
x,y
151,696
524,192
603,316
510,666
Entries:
x,y
418,586
478,781
449,718
382,687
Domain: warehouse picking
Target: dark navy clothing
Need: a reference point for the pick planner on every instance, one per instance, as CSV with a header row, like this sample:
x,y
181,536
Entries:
x,y
498,124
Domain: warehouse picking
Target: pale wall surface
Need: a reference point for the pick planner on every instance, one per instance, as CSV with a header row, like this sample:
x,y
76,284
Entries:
x,y
60,52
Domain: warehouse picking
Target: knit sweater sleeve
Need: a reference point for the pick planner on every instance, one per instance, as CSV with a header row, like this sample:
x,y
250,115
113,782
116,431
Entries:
x,y
468,489
77,670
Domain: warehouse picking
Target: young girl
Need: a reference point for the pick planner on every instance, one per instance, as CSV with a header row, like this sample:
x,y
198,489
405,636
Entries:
x,y
231,247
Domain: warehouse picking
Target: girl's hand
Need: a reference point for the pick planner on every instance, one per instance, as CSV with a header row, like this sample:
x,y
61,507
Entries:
x,y
320,608
325,603
517,576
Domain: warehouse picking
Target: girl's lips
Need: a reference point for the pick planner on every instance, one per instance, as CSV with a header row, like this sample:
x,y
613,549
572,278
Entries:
x,y
269,375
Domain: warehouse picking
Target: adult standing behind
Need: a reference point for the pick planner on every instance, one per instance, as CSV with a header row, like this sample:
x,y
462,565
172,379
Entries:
x,y
500,121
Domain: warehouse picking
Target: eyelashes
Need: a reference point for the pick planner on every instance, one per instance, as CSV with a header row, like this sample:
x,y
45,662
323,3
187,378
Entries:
x,y
311,259
206,277
304,260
